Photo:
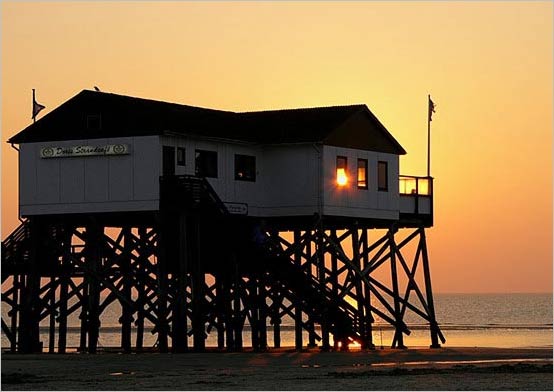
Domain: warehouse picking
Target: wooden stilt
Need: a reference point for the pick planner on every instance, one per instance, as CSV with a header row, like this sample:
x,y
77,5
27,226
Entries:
x,y
398,337
220,311
84,314
228,313
179,327
237,310
429,292
64,288
298,309
163,245
358,285
62,318
198,283
15,312
94,237
321,276
311,326
253,304
334,281
52,326
126,309
263,312
141,294
276,319
29,323
367,342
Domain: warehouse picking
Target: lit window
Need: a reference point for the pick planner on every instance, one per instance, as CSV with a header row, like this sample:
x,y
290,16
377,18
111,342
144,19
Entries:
x,y
382,176
181,156
362,173
245,168
342,172
206,163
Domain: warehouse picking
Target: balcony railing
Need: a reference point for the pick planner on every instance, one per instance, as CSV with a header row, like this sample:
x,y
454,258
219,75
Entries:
x,y
416,198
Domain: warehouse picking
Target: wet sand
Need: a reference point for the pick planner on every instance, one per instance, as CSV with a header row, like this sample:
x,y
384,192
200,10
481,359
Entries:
x,y
411,369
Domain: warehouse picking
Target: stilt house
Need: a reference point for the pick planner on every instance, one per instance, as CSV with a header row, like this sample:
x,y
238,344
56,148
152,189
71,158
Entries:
x,y
192,219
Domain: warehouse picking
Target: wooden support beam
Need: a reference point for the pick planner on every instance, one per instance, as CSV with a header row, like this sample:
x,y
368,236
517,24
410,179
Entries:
x,y
127,282
161,290
62,318
237,310
360,300
298,308
398,337
64,288
14,312
179,325
94,234
434,328
334,280
52,326
220,311
29,322
253,311
367,342
84,313
310,263
320,253
198,286
276,304
228,311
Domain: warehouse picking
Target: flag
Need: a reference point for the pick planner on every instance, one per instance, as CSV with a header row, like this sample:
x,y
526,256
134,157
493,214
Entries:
x,y
37,107
431,109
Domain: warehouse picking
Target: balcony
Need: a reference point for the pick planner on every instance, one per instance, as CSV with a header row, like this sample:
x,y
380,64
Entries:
x,y
416,198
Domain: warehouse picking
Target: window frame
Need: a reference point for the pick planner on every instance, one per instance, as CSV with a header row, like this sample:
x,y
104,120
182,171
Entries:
x,y
366,179
196,171
379,165
251,178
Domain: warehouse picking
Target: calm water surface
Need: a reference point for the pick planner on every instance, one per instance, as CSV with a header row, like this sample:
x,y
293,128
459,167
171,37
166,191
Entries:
x,y
470,320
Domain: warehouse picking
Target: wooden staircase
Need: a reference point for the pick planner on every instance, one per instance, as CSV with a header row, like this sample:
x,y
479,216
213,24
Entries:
x,y
316,299
190,193
15,250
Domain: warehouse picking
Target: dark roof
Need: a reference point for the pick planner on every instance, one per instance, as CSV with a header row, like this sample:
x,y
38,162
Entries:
x,y
92,114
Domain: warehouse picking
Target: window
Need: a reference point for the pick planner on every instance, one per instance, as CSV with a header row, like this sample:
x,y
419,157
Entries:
x,y
382,176
181,158
362,173
206,163
245,168
342,172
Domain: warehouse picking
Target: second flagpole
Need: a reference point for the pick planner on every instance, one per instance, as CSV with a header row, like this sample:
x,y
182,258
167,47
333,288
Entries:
x,y
428,135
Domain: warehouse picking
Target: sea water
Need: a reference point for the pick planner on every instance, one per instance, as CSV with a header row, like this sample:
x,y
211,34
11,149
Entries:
x,y
466,320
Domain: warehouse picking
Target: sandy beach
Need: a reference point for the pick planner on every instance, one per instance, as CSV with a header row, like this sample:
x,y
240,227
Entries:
x,y
387,369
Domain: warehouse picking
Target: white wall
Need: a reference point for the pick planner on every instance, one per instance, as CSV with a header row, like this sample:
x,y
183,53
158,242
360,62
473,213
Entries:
x,y
290,182
90,183
351,201
286,182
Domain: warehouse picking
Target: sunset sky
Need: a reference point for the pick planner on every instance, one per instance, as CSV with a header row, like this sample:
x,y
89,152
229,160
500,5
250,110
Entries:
x,y
487,65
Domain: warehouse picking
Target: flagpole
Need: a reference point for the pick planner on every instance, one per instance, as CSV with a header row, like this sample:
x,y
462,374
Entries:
x,y
428,135
34,117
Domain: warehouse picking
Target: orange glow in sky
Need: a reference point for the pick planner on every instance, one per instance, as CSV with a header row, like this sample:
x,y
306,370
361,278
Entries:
x,y
487,66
